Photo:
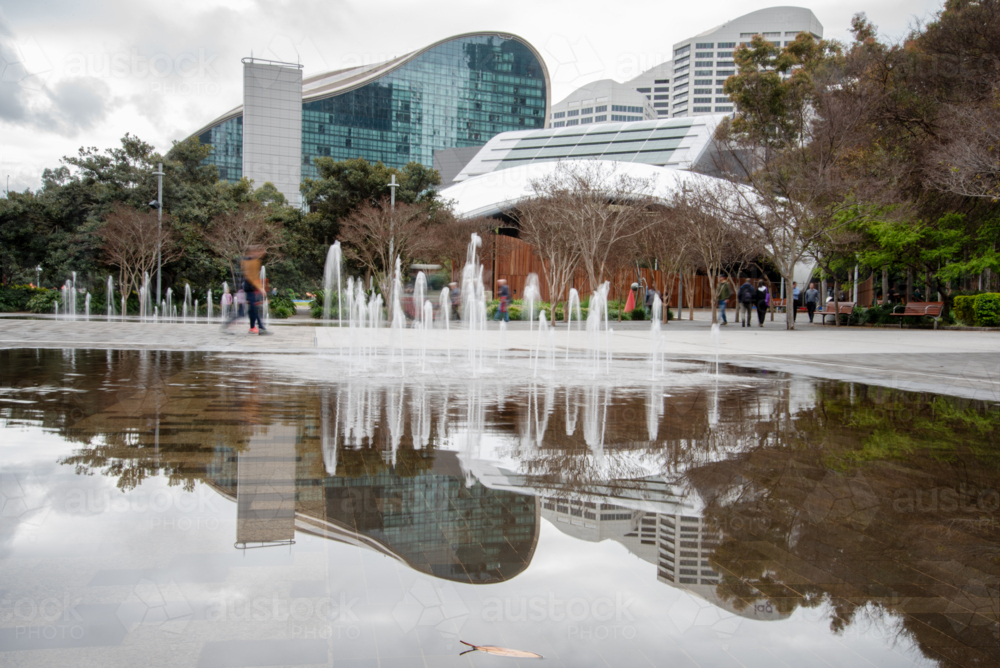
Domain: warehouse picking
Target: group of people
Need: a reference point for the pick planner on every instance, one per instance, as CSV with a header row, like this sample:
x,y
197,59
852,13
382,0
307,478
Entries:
x,y
750,299
249,296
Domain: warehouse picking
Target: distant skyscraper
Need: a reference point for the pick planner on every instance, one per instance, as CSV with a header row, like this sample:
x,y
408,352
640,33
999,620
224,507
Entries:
x,y
691,82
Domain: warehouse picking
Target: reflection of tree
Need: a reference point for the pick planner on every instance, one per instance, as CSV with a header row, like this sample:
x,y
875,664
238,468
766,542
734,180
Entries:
x,y
823,510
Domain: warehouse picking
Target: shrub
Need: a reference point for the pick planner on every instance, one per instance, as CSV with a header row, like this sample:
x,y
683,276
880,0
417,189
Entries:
x,y
638,313
963,307
42,301
987,310
281,307
16,297
876,315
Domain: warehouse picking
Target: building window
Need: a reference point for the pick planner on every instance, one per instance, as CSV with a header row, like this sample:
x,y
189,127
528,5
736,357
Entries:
x,y
684,49
729,108
680,80
725,73
631,110
702,82
771,35
703,73
642,90
573,112
661,97
681,61
681,70
588,119
680,95
600,119
601,108
703,63
702,91
660,105
701,110
559,124
661,81
725,54
705,45
559,114
704,54
587,111
723,100
662,89
702,100
727,45
573,121
718,91
718,82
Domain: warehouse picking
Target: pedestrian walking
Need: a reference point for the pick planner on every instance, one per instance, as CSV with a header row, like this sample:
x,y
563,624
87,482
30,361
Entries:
x,y
762,300
455,294
725,292
796,300
746,299
503,292
812,298
254,288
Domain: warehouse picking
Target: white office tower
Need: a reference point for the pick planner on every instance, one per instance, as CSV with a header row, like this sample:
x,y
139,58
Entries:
x,y
272,125
599,102
691,83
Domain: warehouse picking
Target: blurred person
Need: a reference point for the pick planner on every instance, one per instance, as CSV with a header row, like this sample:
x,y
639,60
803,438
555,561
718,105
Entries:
x,y
746,299
254,288
725,292
762,299
455,295
796,300
812,298
503,292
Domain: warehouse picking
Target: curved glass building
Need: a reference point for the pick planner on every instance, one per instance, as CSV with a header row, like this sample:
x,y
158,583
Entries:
x,y
455,93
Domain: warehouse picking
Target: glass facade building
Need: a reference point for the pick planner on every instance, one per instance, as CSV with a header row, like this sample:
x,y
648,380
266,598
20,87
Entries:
x,y
458,92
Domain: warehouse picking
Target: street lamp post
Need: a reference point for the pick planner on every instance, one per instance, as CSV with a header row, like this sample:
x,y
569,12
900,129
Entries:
x,y
392,205
38,276
159,226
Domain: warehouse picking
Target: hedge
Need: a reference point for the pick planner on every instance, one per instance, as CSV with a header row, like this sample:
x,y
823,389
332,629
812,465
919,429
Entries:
x,y
14,298
964,308
987,309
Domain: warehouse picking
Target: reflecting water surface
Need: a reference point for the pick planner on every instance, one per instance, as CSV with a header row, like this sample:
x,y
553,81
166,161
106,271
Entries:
x,y
196,509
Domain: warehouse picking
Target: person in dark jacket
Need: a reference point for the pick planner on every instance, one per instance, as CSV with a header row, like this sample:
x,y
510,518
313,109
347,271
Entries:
x,y
746,299
762,299
812,298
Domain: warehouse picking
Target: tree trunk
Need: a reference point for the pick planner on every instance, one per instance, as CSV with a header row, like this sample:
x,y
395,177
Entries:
x,y
909,284
885,285
713,291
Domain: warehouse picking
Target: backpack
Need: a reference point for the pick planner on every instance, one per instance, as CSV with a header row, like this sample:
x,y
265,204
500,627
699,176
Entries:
x,y
746,293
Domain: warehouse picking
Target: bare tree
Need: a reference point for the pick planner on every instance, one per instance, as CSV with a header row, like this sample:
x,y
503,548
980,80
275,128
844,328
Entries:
x,y
375,235
968,162
601,206
544,225
664,242
230,234
700,213
130,239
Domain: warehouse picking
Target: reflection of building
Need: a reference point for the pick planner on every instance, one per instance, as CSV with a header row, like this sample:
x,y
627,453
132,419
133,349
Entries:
x,y
265,488
431,520
455,93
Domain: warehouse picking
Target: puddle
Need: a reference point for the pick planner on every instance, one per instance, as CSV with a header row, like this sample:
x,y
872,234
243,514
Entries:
x,y
274,510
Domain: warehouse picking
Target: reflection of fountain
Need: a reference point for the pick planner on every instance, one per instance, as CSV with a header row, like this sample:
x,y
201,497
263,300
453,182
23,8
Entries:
x,y
532,295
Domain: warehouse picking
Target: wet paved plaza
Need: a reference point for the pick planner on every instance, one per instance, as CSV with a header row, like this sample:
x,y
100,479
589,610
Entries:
x,y
219,509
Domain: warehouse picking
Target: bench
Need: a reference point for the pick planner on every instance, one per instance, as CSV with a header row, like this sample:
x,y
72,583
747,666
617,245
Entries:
x,y
919,310
846,308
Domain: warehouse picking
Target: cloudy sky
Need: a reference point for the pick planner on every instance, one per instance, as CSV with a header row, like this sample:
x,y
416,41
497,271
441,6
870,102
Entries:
x,y
84,72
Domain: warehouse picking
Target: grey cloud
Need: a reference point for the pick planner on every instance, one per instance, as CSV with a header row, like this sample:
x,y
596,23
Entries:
x,y
78,104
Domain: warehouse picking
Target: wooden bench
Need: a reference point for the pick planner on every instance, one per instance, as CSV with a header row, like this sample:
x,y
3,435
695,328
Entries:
x,y
919,310
846,308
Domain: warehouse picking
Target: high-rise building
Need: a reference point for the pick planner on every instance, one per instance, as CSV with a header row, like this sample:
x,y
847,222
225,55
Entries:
x,y
599,102
691,82
455,93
